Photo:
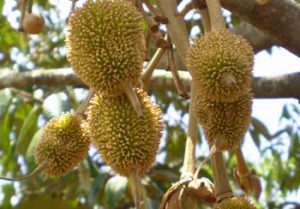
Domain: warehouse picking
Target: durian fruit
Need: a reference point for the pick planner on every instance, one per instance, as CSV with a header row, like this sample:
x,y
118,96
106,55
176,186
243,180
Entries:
x,y
33,23
221,65
126,142
224,123
234,203
63,144
105,45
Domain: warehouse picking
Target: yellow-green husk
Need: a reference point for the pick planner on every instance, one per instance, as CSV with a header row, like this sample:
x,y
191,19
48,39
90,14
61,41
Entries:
x,y
105,44
125,141
224,123
234,203
63,144
221,65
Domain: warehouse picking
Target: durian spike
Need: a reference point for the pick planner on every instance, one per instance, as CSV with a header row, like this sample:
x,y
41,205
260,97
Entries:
x,y
34,173
213,150
131,94
135,188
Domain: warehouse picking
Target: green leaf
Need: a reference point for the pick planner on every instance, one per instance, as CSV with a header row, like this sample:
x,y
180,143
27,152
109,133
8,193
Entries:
x,y
5,101
27,130
285,113
31,148
114,190
8,191
97,186
4,132
261,128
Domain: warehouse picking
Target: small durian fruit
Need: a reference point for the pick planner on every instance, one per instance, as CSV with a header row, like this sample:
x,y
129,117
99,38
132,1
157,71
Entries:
x,y
63,144
221,65
33,23
105,44
125,141
234,203
224,123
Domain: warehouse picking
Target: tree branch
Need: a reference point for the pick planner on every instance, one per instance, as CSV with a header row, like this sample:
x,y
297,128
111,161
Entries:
x,y
257,39
284,86
278,18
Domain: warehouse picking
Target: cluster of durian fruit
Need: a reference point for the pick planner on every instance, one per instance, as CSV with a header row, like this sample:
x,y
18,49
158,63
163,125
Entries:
x,y
221,67
105,44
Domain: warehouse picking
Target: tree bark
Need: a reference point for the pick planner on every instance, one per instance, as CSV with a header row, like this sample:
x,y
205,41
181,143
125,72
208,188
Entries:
x,y
284,86
277,18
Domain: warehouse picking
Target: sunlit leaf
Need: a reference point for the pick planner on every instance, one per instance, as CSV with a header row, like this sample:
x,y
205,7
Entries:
x,y
27,131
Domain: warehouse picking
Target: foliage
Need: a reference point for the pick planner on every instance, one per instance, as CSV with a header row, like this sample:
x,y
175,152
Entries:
x,y
93,183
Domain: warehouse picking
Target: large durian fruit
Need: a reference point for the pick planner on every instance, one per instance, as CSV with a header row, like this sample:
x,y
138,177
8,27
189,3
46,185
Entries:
x,y
221,65
126,142
234,203
105,44
224,123
63,144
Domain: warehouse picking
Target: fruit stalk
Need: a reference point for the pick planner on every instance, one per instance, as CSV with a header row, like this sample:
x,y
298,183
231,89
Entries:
x,y
135,185
34,173
151,67
241,164
215,14
205,20
222,187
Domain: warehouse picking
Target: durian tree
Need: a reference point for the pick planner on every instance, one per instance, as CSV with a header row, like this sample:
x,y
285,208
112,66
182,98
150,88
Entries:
x,y
110,103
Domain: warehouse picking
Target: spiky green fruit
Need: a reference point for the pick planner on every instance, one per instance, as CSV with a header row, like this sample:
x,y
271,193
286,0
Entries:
x,y
224,124
234,203
63,144
125,141
221,65
105,44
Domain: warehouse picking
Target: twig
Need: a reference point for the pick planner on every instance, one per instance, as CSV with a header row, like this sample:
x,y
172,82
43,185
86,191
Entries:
x,y
157,16
147,44
215,13
179,35
175,187
241,164
151,8
83,106
22,7
151,67
189,7
154,28
178,84
246,178
27,95
29,6
222,187
176,27
205,20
